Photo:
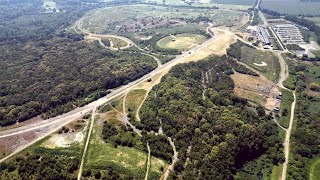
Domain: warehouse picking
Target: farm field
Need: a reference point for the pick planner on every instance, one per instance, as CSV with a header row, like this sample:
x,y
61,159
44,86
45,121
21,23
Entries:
x,y
264,62
181,41
292,7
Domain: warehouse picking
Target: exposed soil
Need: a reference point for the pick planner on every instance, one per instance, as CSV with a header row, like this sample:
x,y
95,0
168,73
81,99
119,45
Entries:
x,y
253,88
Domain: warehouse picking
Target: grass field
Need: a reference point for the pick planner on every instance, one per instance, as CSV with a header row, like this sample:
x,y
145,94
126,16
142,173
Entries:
x,y
287,99
123,160
314,170
117,43
181,41
133,100
112,111
293,7
250,56
276,172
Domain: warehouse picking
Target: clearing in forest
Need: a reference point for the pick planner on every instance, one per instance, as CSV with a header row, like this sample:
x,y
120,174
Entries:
x,y
134,100
117,43
125,161
253,88
252,57
315,169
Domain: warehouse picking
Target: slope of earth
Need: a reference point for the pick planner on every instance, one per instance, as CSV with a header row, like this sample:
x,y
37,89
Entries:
x,y
55,157
264,62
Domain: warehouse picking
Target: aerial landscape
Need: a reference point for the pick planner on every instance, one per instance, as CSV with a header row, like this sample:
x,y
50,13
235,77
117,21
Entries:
x,y
160,89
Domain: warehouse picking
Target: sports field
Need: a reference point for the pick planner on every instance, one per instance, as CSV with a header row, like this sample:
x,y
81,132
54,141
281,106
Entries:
x,y
293,7
181,41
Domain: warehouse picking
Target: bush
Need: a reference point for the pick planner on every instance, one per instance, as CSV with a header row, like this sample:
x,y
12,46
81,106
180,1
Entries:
x,y
314,87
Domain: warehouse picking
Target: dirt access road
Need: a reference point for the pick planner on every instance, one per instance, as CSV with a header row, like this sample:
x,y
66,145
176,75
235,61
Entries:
x,y
284,74
87,143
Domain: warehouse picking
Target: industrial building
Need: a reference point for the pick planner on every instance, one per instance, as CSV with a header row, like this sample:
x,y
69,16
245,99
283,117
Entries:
x,y
264,36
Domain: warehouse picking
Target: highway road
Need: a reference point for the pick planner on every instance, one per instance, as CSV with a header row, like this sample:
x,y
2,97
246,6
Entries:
x,y
77,113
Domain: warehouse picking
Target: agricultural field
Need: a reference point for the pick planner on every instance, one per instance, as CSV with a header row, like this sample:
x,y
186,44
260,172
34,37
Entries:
x,y
292,7
181,41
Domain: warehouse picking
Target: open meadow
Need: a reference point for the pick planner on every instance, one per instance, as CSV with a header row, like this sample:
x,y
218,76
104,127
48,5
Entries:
x,y
264,62
126,162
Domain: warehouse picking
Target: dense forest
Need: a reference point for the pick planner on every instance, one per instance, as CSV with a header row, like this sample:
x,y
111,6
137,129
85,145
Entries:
x,y
305,138
55,75
46,70
214,131
35,166
24,19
